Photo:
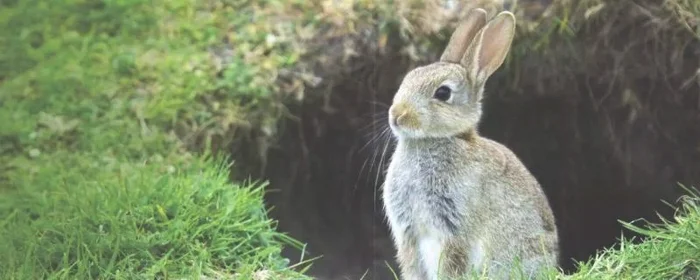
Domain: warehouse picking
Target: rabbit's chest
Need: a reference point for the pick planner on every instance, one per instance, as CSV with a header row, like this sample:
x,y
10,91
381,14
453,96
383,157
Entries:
x,y
423,204
426,194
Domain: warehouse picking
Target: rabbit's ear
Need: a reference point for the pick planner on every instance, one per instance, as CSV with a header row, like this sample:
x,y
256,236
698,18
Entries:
x,y
463,35
490,47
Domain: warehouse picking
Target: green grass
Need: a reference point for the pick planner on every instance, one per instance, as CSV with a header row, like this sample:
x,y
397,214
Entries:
x,y
671,250
97,99
84,218
133,69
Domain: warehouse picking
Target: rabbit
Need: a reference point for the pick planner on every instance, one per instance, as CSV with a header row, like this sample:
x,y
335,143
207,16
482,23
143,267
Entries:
x,y
456,202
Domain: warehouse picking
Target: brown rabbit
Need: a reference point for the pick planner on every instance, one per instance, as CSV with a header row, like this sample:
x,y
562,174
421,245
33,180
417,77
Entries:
x,y
457,202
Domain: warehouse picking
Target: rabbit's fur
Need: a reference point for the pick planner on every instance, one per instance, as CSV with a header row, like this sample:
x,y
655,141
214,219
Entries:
x,y
456,201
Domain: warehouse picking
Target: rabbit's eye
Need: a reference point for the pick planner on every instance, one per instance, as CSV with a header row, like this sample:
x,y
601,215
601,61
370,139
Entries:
x,y
443,93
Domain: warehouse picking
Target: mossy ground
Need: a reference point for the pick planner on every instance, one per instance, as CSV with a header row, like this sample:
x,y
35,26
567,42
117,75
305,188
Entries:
x,y
109,110
98,181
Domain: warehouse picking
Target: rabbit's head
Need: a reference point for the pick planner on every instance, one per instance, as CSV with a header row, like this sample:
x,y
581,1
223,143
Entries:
x,y
443,99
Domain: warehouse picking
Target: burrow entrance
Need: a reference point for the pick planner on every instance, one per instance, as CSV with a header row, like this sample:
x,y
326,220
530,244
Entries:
x,y
598,158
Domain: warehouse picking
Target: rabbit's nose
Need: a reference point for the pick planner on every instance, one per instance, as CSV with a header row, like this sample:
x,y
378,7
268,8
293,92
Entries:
x,y
398,119
397,114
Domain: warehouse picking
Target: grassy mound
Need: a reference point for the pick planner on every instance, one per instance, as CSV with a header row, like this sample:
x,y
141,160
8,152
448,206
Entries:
x,y
99,103
85,217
